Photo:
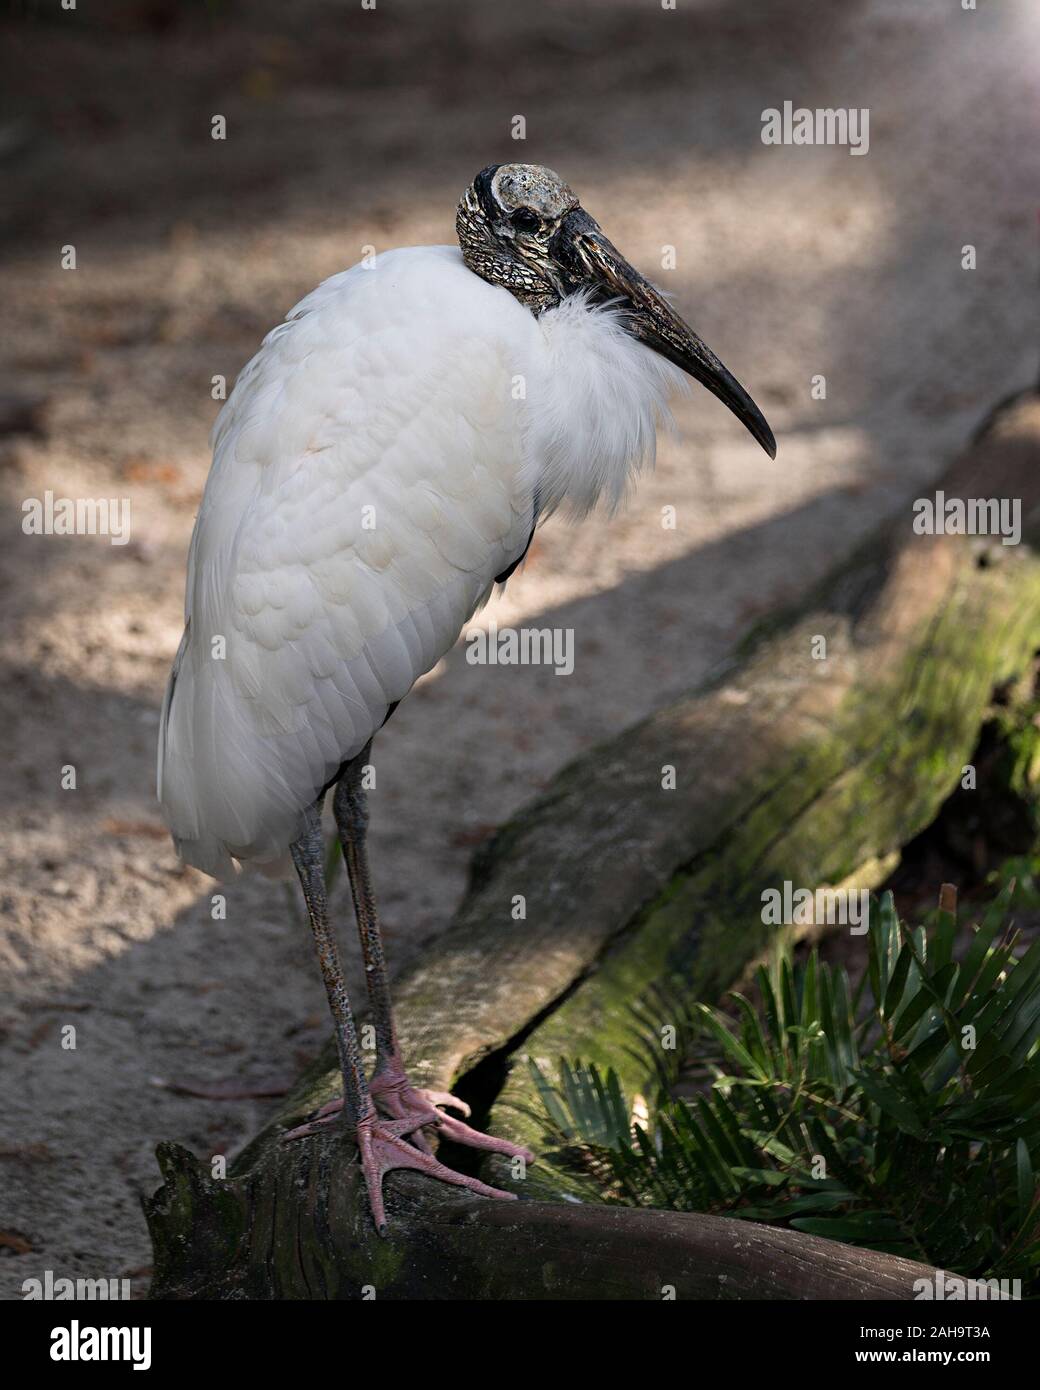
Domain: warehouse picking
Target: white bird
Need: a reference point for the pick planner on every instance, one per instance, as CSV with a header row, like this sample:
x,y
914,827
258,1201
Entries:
x,y
382,461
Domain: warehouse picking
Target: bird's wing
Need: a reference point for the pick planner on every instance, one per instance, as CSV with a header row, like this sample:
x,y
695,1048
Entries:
x,y
365,491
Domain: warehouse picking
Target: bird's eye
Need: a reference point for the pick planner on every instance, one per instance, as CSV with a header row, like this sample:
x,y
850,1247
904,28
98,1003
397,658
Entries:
x,y
524,220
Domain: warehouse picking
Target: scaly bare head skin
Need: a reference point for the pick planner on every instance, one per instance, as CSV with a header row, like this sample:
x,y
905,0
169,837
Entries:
x,y
520,226
506,221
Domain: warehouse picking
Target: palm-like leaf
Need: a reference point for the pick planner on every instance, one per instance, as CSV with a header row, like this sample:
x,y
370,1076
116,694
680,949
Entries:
x,y
901,1116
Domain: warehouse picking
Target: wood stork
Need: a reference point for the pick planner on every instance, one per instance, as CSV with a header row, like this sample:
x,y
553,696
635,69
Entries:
x,y
382,461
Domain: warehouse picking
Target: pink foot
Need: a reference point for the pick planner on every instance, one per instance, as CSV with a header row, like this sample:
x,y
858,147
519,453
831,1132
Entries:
x,y
382,1148
402,1100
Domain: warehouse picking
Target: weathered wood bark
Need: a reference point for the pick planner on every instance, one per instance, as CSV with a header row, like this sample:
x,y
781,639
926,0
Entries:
x,y
299,1233
787,767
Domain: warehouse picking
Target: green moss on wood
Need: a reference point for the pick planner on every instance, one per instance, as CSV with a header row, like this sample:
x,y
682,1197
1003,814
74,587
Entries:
x,y
836,810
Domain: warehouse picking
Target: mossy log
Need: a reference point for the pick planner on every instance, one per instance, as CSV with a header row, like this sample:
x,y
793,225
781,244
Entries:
x,y
789,765
295,1229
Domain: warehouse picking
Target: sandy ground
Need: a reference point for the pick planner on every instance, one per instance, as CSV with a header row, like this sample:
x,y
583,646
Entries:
x,y
363,128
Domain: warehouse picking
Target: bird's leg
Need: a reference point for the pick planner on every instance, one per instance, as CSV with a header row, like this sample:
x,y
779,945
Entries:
x,y
381,1142
390,1084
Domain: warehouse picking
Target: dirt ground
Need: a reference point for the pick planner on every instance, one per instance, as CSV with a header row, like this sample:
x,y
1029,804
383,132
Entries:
x,y
349,127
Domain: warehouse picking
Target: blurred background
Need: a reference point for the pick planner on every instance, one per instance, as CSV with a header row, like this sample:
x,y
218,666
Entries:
x,y
349,127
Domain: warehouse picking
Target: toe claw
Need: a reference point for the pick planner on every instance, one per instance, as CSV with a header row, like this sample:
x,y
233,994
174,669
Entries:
x,y
311,1127
436,1098
319,1120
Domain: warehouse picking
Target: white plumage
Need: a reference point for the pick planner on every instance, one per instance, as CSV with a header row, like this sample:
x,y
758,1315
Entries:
x,y
374,469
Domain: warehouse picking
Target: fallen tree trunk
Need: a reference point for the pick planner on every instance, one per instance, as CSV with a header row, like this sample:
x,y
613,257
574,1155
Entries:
x,y
793,765
301,1232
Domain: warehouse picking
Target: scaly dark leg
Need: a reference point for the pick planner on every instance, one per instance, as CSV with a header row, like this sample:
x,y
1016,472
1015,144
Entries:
x,y
390,1084
381,1142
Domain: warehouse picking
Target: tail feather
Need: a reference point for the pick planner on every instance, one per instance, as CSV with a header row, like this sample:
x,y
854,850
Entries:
x,y
221,799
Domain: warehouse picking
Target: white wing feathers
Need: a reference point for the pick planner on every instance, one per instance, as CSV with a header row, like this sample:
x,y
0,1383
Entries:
x,y
364,493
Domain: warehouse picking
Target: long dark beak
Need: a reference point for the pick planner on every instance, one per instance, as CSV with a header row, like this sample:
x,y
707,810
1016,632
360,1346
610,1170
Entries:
x,y
586,256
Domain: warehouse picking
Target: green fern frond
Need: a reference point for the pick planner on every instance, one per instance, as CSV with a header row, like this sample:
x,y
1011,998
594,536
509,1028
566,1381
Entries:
x,y
903,1115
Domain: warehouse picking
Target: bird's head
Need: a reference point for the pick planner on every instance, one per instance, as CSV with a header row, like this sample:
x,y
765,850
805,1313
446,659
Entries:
x,y
521,226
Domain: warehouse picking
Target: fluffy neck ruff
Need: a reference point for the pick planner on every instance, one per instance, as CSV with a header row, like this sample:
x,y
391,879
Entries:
x,y
594,406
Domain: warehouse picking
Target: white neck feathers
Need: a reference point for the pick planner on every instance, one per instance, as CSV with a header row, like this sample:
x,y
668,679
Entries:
x,y
594,405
